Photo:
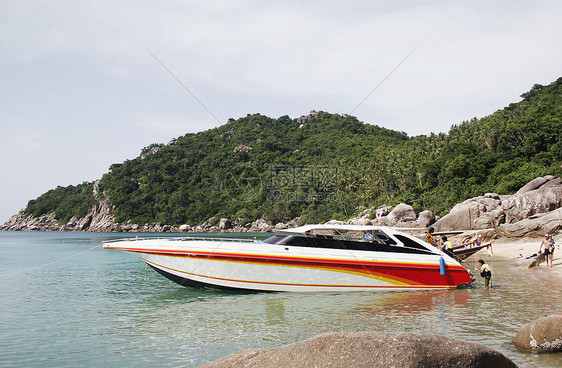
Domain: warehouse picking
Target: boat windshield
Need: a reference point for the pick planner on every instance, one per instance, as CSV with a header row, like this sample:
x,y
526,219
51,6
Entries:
x,y
372,240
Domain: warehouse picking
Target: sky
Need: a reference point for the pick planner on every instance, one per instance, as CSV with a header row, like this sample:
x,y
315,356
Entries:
x,y
85,84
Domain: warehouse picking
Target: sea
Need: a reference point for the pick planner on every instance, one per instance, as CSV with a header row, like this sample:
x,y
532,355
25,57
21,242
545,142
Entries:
x,y
67,302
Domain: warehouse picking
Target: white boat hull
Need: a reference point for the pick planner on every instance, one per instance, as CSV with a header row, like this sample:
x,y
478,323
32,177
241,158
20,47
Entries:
x,y
254,265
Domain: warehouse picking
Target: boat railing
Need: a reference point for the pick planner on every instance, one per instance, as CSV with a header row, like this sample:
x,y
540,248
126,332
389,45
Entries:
x,y
184,238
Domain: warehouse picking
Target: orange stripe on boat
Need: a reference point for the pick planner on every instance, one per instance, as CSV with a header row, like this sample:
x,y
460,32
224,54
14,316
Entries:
x,y
315,285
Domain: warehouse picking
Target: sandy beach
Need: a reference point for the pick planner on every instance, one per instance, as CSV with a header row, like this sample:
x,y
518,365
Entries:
x,y
516,251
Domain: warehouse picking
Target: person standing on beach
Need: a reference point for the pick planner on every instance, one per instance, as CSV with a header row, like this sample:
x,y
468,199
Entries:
x,y
485,272
548,244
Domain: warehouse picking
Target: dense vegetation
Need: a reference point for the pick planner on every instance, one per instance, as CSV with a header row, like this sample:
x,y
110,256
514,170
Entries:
x,y
326,167
66,202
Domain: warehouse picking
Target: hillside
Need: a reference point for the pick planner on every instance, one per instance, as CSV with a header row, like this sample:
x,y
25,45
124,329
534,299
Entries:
x,y
324,165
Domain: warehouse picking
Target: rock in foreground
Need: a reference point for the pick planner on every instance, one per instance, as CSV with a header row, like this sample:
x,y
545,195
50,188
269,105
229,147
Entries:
x,y
369,349
543,335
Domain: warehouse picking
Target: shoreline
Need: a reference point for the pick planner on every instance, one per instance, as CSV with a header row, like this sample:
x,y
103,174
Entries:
x,y
515,251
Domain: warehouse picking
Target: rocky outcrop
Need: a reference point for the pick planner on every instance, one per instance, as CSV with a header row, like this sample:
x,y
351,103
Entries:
x,y
99,218
21,222
361,219
303,120
242,148
534,226
523,213
472,214
369,349
151,151
543,335
260,225
101,215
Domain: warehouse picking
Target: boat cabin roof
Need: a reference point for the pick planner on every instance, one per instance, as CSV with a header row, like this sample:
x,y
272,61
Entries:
x,y
376,234
358,237
327,229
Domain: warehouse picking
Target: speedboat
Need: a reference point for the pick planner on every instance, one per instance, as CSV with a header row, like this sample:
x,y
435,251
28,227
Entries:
x,y
309,258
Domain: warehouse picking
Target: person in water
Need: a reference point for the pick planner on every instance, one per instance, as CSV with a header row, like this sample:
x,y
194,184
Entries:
x,y
548,244
485,272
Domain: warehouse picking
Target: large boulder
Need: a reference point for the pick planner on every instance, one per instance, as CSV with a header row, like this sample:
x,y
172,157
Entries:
x,y
225,224
426,218
402,213
534,184
369,349
184,228
543,335
363,221
280,226
472,214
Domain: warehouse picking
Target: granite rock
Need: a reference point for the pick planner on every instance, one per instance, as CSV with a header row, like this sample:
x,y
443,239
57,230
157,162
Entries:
x,y
369,349
543,335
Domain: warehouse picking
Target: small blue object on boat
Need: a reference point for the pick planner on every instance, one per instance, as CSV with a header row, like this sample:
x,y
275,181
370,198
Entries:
x,y
441,266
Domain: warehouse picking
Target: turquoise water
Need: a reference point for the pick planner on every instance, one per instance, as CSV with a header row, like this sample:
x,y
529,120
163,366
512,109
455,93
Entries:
x,y
104,308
